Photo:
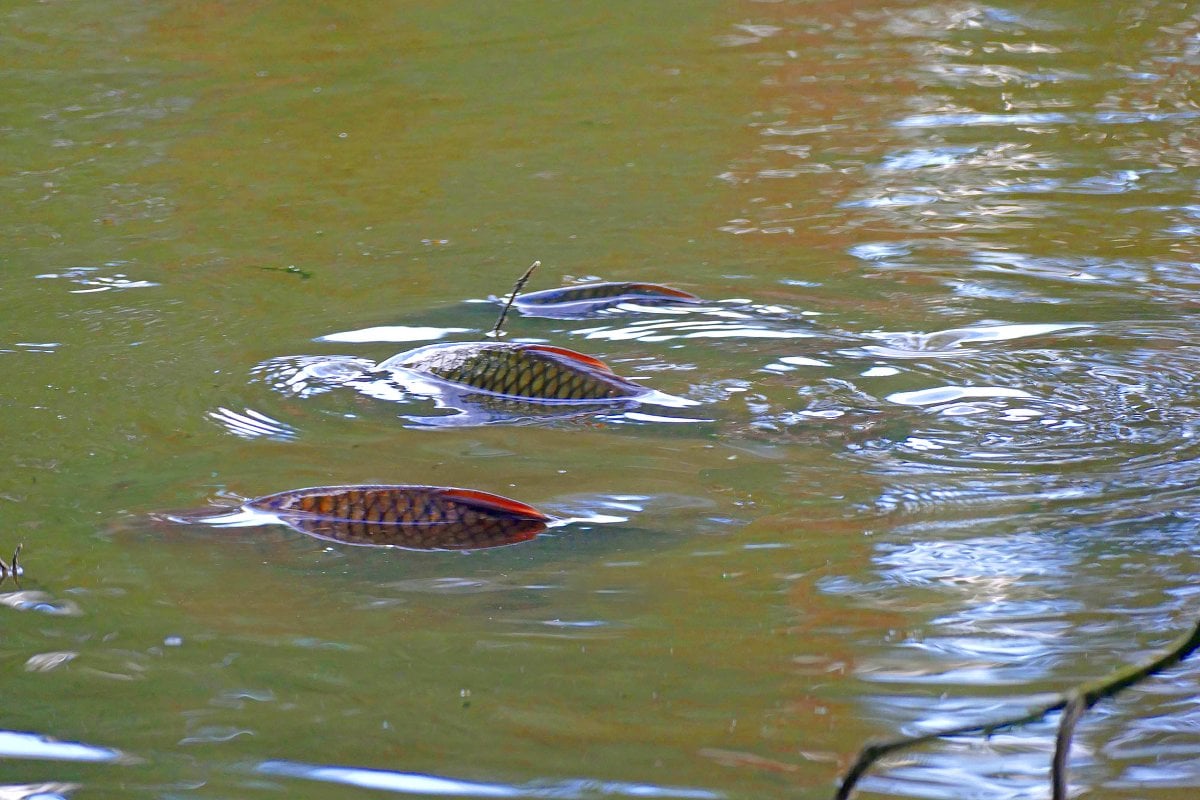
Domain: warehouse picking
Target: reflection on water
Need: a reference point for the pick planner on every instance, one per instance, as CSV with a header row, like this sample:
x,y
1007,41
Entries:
x,y
951,342
392,333
667,331
16,744
419,784
40,602
251,424
590,299
1024,192
98,279
37,791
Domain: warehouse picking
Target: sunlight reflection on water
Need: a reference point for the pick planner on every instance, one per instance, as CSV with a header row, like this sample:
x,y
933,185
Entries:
x,y
15,744
1039,465
422,784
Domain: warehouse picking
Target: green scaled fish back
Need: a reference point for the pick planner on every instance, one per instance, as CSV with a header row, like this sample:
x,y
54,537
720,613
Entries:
x,y
448,536
528,371
415,517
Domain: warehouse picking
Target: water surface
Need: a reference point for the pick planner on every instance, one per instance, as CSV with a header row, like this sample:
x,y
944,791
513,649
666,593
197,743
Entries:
x,y
941,459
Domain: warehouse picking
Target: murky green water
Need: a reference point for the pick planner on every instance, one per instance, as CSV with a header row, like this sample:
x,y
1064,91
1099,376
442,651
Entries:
x,y
943,456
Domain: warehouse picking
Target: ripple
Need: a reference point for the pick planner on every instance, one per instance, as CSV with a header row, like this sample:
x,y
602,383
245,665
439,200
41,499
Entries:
x,y
943,395
453,405
978,119
214,734
392,333
1012,275
98,279
17,744
305,376
38,791
34,347
41,603
1060,406
950,342
424,784
251,424
45,662
660,331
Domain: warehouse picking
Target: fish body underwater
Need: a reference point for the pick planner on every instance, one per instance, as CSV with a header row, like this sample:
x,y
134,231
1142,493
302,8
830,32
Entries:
x,y
414,517
526,371
576,301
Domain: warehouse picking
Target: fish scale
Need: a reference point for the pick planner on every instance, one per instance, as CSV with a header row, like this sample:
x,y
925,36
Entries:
x,y
526,371
417,517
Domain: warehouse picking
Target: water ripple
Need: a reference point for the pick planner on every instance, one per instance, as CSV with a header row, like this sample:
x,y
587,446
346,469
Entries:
x,y
37,791
40,602
976,119
98,279
453,405
423,784
251,424
18,744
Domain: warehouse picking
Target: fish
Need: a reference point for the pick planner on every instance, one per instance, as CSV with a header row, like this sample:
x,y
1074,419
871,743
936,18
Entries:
x,y
413,517
573,301
539,372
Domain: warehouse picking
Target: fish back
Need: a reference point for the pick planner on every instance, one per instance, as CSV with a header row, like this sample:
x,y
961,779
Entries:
x,y
602,295
419,517
538,372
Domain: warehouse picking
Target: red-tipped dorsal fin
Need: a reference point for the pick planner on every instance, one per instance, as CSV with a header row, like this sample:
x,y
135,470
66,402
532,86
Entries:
x,y
594,363
494,502
670,291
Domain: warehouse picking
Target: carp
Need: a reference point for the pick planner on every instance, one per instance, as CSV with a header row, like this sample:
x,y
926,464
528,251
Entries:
x,y
539,372
572,301
414,517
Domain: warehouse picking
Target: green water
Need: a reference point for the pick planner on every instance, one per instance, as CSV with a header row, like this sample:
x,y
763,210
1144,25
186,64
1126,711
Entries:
x,y
942,459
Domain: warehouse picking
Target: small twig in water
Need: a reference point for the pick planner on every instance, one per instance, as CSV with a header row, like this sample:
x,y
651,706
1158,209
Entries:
x,y
290,269
517,287
1073,704
12,568
1062,746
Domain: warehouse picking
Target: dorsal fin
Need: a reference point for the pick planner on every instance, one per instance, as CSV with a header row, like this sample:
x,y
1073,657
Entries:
x,y
670,291
494,502
594,363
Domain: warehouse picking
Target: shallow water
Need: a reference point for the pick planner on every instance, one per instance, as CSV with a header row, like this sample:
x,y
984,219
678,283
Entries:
x,y
941,460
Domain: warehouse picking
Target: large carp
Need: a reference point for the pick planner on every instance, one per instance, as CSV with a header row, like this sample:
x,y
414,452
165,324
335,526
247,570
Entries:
x,y
539,372
577,301
415,517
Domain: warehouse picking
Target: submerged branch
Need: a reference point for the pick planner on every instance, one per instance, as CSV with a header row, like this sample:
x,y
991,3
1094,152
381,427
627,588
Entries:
x,y
517,287
1074,704
12,568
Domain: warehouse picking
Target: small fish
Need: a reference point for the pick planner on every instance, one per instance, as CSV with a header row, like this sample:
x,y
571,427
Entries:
x,y
581,300
525,371
415,517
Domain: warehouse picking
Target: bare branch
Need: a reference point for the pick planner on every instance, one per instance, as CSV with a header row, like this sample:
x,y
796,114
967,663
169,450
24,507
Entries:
x,y
13,568
517,287
1074,703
